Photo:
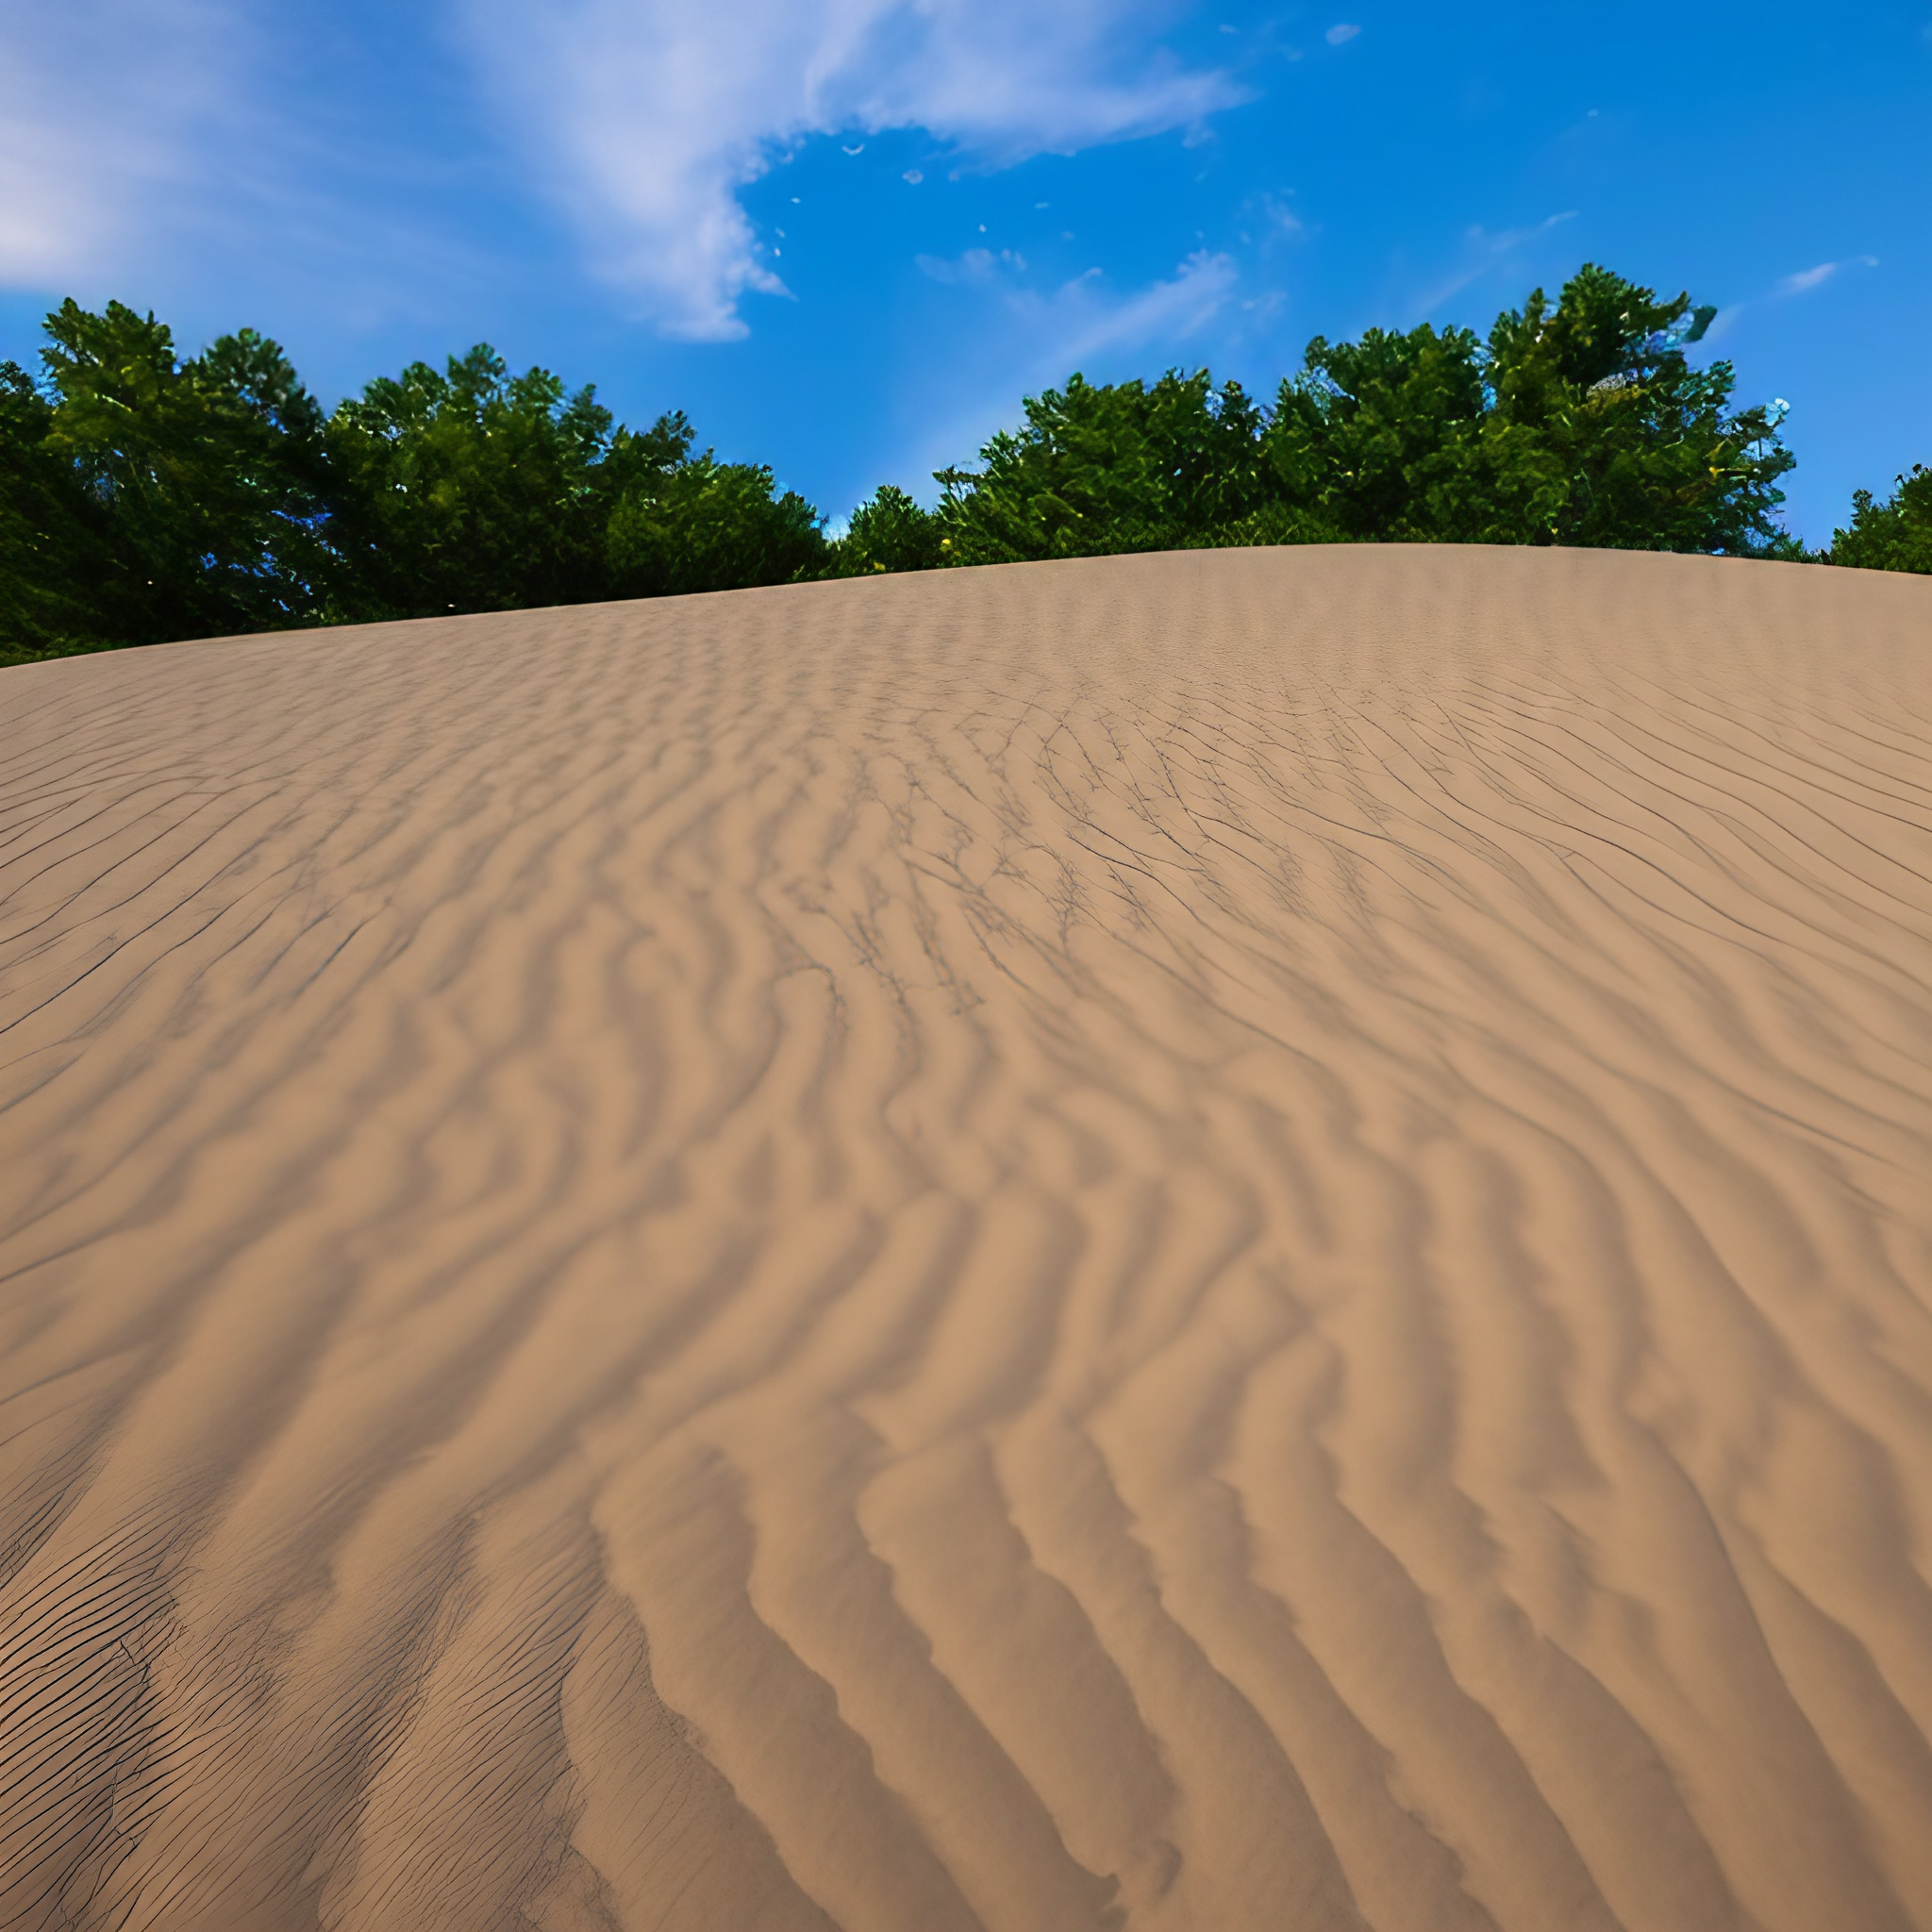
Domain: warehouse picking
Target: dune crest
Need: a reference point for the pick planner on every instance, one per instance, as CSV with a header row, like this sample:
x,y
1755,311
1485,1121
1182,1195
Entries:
x,y
1229,1241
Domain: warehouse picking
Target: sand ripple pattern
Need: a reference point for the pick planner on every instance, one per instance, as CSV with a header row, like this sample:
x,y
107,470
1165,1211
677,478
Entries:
x,y
1222,1241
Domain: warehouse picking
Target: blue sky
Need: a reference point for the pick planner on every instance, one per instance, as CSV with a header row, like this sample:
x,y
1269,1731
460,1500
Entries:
x,y
847,235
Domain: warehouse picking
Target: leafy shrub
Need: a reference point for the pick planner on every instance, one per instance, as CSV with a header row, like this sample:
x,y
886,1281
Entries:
x,y
1893,535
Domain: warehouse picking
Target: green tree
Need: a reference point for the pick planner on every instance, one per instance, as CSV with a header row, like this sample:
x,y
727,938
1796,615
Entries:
x,y
680,523
54,542
1893,535
1103,467
1599,433
467,489
145,497
890,532
1380,440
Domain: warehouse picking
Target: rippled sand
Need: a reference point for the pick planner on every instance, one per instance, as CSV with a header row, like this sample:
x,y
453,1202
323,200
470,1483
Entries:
x,y
1209,1241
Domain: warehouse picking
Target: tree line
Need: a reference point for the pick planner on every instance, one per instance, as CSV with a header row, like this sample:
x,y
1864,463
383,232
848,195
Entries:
x,y
145,497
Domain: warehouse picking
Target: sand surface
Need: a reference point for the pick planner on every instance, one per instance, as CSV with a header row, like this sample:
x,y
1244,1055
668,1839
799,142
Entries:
x,y
1226,1241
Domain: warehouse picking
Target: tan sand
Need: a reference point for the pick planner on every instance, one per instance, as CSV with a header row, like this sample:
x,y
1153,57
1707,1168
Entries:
x,y
1211,1241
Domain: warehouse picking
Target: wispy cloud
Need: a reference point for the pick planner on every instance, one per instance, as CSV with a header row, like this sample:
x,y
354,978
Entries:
x,y
1800,282
1339,33
1084,317
1032,338
1085,321
1484,251
207,157
978,268
105,107
647,117
1809,278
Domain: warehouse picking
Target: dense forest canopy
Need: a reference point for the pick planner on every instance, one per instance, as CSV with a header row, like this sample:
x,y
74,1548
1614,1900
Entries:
x,y
146,498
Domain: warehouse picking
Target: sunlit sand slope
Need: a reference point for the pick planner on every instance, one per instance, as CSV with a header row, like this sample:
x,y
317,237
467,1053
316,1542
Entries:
x,y
1222,1241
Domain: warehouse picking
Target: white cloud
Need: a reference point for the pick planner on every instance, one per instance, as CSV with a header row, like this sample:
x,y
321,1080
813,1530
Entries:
x,y
1340,32
1483,251
1809,278
1274,216
201,157
647,117
976,269
1090,323
1800,283
137,136
104,109
1083,317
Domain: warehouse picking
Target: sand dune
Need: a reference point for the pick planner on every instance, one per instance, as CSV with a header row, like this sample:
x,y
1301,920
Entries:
x,y
1214,1242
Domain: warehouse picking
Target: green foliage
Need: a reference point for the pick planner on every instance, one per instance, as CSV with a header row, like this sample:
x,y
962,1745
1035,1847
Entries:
x,y
143,498
682,522
1579,423
473,489
890,532
1893,535
53,536
147,498
1602,436
1099,469
466,489
1380,439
